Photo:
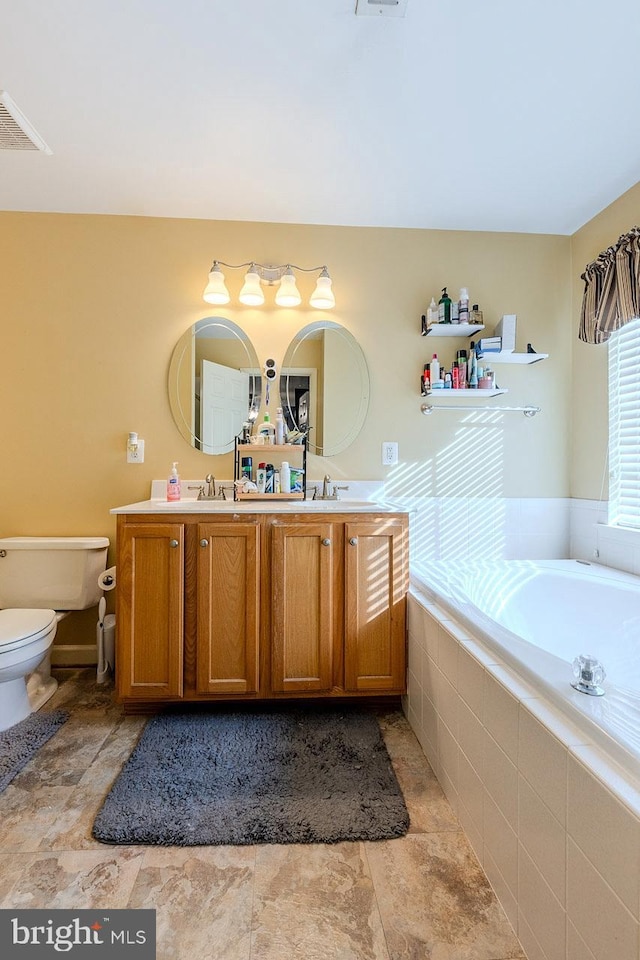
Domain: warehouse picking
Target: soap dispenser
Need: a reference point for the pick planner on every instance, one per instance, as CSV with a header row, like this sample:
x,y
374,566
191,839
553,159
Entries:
x,y
173,483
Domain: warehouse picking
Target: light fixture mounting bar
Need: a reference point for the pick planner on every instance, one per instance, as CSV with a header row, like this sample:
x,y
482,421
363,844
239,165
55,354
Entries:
x,y
381,8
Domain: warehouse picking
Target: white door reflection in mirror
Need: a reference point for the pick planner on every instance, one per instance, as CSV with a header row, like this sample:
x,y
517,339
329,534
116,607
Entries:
x,y
223,403
209,410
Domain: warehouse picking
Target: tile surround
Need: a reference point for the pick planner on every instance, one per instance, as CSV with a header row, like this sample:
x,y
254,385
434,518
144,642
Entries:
x,y
556,829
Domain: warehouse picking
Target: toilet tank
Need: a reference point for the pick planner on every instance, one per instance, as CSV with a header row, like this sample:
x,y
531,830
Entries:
x,y
51,572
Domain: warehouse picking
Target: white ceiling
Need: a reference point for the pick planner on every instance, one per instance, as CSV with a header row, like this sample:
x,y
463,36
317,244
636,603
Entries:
x,y
494,115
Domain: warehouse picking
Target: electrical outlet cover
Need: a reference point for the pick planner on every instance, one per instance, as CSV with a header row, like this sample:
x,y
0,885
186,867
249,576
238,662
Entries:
x,y
389,453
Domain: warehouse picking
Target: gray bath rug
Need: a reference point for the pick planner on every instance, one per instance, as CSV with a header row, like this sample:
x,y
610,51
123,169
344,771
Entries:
x,y
21,742
273,776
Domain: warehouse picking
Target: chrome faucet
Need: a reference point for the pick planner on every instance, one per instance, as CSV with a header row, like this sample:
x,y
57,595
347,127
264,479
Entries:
x,y
210,492
329,493
210,481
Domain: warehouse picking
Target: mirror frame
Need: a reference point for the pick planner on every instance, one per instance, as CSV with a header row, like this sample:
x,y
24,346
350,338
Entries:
x,y
360,369
183,354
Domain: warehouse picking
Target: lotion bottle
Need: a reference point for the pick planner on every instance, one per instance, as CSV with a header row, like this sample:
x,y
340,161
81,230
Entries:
x,y
173,483
285,477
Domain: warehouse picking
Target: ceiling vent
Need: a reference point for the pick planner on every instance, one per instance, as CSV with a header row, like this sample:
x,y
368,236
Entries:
x,y
16,133
381,8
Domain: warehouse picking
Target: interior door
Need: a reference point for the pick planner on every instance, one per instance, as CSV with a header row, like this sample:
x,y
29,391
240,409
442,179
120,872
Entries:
x,y
224,402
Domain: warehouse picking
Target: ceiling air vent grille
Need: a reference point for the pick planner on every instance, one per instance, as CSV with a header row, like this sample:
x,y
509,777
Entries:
x,y
381,8
16,133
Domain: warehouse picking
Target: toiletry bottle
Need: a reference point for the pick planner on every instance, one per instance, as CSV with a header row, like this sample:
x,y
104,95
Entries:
x,y
267,430
444,308
476,315
280,431
435,370
285,477
261,477
473,368
268,478
455,375
432,312
447,381
173,483
463,369
247,467
463,305
426,379
276,481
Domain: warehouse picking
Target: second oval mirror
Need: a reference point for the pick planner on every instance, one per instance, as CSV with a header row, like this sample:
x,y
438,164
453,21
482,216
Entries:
x,y
324,387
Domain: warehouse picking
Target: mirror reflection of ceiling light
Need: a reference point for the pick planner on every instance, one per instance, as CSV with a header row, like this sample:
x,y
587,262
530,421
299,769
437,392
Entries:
x,y
251,294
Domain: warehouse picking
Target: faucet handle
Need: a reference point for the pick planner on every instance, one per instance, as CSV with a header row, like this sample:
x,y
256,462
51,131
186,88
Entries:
x,y
200,488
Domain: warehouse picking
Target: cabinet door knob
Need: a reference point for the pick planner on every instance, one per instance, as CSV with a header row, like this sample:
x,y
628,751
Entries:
x,y
173,543
326,542
204,543
353,541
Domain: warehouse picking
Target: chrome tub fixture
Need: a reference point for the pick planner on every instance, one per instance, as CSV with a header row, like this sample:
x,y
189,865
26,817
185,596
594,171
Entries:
x,y
589,674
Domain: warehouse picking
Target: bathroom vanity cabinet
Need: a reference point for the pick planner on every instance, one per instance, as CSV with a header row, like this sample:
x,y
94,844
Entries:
x,y
257,605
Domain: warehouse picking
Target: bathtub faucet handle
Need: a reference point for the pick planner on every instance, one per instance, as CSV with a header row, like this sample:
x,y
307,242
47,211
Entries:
x,y
589,674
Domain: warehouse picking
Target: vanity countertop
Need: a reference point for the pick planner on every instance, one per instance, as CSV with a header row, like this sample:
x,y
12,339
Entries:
x,y
259,506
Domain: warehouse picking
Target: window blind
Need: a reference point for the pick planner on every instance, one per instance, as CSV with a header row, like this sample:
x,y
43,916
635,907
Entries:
x,y
624,426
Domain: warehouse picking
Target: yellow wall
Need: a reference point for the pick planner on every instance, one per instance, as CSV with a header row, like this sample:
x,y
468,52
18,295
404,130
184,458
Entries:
x,y
589,477
92,307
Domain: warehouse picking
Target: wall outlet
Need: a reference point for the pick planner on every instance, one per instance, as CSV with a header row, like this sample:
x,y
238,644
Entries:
x,y
389,453
135,452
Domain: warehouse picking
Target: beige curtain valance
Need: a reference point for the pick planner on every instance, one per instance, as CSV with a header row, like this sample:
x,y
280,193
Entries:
x,y
611,289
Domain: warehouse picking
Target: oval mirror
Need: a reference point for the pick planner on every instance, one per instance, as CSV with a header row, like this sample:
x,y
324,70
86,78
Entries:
x,y
214,384
324,387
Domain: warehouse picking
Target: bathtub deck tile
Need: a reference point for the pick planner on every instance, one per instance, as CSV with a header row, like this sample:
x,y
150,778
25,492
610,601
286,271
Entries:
x,y
562,728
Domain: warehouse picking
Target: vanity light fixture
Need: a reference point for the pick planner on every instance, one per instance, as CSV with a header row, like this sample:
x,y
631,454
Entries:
x,y
251,293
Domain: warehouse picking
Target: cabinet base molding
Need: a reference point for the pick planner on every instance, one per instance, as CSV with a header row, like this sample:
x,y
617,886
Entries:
x,y
391,701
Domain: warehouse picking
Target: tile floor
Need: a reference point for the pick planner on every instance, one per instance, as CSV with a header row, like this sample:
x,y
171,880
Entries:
x,y
421,897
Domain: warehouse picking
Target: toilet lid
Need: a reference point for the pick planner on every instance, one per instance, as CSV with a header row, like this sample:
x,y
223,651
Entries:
x,y
19,626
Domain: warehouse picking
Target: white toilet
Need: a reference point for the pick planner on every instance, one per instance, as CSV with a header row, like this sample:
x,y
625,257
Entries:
x,y
41,580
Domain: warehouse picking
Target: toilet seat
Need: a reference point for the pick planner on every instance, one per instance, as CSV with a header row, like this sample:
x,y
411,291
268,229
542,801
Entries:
x,y
21,626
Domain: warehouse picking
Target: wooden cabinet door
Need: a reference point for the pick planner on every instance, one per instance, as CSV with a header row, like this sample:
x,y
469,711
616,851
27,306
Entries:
x,y
302,595
228,598
375,605
150,610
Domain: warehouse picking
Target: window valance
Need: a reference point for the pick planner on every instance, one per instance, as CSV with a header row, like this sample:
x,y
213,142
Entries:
x,y
611,289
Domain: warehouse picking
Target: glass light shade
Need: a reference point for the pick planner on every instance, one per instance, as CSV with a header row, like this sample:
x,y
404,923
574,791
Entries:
x,y
288,294
251,294
322,297
216,290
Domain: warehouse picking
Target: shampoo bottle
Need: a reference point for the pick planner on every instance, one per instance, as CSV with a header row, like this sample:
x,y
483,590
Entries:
x,y
173,483
444,307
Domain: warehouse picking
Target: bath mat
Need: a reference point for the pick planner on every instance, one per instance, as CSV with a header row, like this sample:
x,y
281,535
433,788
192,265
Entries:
x,y
272,776
21,742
